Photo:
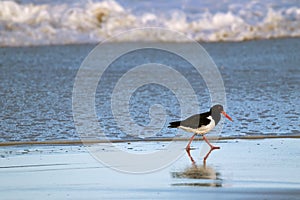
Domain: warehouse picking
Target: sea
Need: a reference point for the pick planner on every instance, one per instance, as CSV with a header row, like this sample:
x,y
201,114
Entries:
x,y
43,44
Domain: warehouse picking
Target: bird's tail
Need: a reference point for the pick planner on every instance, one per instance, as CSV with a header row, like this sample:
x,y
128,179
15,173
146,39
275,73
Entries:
x,y
174,124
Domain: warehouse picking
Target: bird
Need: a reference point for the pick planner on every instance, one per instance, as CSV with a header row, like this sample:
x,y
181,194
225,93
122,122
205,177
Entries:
x,y
201,124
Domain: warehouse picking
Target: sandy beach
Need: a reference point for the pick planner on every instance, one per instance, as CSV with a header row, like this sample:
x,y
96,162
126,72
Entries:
x,y
241,169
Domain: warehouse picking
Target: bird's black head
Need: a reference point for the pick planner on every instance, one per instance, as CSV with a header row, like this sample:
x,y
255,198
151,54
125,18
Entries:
x,y
217,109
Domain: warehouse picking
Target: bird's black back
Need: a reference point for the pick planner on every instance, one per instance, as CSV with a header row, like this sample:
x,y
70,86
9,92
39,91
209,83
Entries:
x,y
198,120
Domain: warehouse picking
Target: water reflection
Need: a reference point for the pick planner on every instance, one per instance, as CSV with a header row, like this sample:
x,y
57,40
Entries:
x,y
197,175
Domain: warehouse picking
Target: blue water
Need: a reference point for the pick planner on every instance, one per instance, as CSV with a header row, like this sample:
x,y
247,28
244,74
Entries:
x,y
261,80
77,22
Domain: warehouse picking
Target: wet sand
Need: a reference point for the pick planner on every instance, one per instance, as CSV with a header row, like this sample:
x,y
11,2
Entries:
x,y
241,169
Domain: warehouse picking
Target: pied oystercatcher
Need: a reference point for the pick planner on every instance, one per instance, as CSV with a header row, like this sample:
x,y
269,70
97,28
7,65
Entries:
x,y
200,124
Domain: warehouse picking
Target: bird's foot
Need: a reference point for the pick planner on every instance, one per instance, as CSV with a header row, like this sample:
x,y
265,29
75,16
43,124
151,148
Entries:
x,y
214,147
188,148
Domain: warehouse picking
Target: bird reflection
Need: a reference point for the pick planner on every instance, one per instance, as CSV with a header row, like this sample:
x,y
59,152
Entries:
x,y
197,175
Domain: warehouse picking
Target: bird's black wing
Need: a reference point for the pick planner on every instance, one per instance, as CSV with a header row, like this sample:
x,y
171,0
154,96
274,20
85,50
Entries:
x,y
196,121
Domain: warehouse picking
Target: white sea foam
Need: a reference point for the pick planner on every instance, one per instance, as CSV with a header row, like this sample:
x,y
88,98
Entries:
x,y
89,22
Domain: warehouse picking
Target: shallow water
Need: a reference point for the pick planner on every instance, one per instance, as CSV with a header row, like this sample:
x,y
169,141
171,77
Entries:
x,y
261,80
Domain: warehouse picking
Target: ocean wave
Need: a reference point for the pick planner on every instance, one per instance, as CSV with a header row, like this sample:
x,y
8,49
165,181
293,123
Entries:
x,y
92,22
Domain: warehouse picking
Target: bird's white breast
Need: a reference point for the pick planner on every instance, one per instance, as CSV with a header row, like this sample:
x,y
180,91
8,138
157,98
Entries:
x,y
203,129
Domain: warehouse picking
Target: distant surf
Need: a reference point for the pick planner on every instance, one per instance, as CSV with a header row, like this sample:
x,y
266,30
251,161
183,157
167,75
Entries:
x,y
28,23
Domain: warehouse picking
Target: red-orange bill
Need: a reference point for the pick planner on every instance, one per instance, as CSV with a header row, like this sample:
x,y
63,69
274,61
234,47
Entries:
x,y
227,116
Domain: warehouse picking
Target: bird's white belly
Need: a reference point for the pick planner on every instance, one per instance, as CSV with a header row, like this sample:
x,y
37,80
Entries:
x,y
201,130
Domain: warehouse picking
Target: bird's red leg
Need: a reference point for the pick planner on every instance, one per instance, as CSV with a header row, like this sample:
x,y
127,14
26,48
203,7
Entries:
x,y
211,146
188,147
191,158
211,149
206,156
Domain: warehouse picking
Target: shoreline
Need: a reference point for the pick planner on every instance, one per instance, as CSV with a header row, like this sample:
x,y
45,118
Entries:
x,y
80,142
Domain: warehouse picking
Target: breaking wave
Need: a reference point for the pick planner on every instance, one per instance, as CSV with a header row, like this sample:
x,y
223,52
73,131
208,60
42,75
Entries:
x,y
91,22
